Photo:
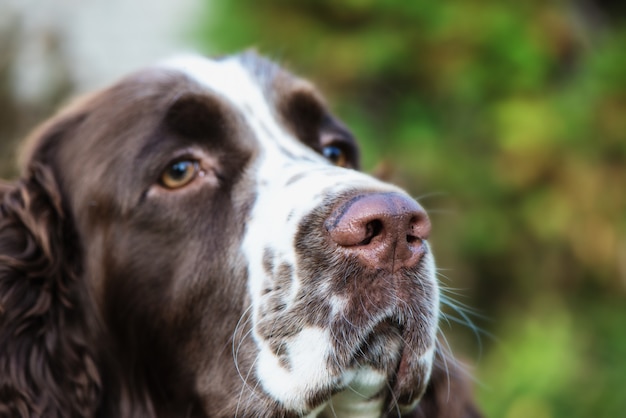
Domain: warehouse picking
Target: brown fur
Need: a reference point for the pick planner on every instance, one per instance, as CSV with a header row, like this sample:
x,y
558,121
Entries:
x,y
117,300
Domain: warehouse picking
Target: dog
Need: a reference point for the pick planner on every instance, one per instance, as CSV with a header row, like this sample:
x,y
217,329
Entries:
x,y
196,241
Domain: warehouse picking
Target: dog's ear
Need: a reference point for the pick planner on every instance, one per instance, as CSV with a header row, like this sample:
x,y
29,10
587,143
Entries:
x,y
449,393
46,368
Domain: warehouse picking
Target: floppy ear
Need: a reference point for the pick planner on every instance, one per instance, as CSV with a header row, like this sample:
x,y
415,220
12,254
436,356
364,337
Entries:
x,y
46,369
449,393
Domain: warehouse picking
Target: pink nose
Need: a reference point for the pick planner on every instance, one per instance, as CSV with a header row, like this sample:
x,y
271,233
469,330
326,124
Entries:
x,y
384,230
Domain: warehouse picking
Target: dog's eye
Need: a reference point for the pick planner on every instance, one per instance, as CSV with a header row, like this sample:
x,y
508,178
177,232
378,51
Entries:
x,y
335,155
179,174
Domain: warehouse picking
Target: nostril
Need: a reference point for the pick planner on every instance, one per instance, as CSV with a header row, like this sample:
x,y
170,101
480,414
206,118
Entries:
x,y
411,239
372,229
419,228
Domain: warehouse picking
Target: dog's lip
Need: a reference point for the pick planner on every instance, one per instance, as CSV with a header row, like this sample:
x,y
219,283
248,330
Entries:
x,y
410,379
403,368
388,330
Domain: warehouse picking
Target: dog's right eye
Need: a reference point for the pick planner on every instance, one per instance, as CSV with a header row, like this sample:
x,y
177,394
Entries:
x,y
179,174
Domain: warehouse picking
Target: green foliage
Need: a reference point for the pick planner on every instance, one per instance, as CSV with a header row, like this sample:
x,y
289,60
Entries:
x,y
510,119
558,361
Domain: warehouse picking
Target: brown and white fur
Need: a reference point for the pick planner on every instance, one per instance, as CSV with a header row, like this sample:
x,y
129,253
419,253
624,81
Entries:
x,y
276,280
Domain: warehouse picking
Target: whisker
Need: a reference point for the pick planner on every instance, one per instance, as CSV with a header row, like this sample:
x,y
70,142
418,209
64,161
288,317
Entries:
x,y
442,211
246,385
441,351
235,350
394,399
332,407
430,195
462,314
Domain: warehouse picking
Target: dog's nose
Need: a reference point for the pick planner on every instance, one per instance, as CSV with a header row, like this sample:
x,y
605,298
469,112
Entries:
x,y
384,230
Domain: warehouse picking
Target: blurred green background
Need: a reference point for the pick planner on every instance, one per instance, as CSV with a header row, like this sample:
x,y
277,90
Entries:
x,y
508,120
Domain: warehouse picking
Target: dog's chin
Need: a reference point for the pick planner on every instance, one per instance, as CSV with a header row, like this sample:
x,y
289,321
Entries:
x,y
364,330
382,373
384,367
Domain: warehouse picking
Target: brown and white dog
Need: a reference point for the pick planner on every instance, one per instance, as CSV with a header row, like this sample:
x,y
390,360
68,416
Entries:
x,y
195,241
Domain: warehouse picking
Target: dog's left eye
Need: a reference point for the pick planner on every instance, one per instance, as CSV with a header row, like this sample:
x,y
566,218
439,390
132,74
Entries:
x,y
179,174
335,155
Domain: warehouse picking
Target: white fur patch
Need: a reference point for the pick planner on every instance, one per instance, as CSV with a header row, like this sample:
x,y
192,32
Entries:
x,y
309,350
358,400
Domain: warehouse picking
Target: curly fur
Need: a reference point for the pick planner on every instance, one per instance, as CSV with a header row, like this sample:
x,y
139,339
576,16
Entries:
x,y
46,367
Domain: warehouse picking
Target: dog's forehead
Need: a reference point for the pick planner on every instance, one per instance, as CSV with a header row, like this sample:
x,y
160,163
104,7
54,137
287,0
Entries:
x,y
257,89
248,81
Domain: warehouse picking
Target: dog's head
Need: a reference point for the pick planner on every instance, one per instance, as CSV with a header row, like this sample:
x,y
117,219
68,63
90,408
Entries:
x,y
214,251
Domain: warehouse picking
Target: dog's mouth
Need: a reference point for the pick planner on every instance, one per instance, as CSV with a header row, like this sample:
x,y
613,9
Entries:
x,y
384,369
388,349
378,343
381,346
